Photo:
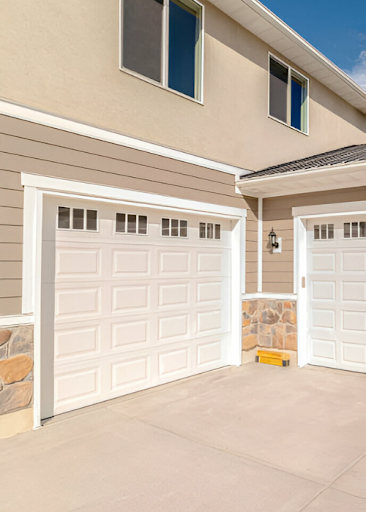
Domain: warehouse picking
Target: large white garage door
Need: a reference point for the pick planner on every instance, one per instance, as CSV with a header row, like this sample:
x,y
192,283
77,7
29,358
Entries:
x,y
337,292
142,297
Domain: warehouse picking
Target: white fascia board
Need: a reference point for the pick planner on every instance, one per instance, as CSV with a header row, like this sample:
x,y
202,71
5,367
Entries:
x,y
261,186
60,123
99,192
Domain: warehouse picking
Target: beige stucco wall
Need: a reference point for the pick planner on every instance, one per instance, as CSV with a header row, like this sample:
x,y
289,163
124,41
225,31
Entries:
x,y
62,57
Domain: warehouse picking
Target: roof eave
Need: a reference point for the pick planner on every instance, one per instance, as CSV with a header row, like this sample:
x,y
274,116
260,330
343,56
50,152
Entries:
x,y
332,177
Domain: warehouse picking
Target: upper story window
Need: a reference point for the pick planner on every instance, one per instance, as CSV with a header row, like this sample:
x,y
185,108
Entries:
x,y
288,95
162,41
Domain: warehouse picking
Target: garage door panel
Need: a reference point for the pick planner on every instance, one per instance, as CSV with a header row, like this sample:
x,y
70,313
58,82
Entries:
x,y
325,349
174,364
173,327
131,335
353,353
174,263
354,261
78,302
130,373
323,318
174,294
323,262
77,342
130,262
323,290
77,385
78,262
354,291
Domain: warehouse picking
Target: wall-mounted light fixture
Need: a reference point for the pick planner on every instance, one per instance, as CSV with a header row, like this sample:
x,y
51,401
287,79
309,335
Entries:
x,y
273,239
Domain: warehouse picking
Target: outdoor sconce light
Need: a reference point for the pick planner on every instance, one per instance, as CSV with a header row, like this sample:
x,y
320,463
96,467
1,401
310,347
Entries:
x,y
273,239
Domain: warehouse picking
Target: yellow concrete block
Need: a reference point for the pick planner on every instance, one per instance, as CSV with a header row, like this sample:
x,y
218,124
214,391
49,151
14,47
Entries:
x,y
274,358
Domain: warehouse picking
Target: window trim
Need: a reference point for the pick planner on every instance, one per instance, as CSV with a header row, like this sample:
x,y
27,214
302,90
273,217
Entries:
x,y
71,219
165,54
301,76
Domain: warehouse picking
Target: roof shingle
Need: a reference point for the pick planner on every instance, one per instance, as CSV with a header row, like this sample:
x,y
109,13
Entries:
x,y
345,155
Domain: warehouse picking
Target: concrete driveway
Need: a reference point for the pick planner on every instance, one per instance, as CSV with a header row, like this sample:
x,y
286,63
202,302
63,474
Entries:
x,y
254,438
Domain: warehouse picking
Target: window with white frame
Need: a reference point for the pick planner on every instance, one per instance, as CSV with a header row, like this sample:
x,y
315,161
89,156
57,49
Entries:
x,y
162,41
288,95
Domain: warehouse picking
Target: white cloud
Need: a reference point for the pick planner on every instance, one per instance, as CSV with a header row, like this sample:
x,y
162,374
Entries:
x,y
358,72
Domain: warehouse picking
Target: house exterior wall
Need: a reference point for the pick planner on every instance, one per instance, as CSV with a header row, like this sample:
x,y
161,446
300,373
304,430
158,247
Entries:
x,y
63,58
278,269
32,148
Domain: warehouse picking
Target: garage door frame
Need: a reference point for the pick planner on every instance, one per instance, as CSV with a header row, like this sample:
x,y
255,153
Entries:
x,y
37,187
301,215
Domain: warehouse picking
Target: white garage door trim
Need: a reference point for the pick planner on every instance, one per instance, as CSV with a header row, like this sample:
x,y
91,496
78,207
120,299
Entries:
x,y
36,187
301,214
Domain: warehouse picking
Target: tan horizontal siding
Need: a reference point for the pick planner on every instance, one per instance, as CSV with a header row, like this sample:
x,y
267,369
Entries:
x,y
10,306
12,234
10,269
81,144
12,198
10,288
9,179
11,216
278,287
11,252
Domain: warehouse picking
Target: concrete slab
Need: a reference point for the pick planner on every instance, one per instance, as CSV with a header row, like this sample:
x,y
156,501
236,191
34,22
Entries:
x,y
354,480
255,438
309,423
335,501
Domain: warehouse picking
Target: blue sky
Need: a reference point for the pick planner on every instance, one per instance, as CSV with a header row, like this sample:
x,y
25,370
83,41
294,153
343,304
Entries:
x,y
336,28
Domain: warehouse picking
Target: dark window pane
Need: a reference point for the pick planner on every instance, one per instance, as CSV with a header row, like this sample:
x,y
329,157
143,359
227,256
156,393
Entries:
x,y
316,232
354,229
217,231
63,217
131,223
363,229
174,227
278,91
91,220
78,218
120,223
297,97
142,37
165,227
202,230
183,228
324,231
347,230
209,230
330,231
142,225
183,36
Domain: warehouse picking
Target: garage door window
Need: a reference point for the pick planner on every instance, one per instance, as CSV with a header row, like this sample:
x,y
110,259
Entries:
x,y
324,232
131,224
174,227
354,230
78,218
210,231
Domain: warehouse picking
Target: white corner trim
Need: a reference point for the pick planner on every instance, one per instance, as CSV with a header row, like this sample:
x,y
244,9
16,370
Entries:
x,y
15,320
334,209
61,123
260,245
266,295
100,192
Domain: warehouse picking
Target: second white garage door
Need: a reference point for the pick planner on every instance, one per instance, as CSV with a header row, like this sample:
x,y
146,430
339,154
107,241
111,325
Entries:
x,y
337,292
142,297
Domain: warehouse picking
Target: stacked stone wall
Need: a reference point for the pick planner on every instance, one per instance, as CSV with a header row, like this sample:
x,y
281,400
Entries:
x,y
269,324
16,368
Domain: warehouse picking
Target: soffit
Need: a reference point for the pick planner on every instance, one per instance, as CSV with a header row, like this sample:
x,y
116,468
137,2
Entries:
x,y
302,182
259,20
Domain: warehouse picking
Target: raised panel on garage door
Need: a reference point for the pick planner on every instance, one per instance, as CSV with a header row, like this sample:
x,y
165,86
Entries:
x,y
138,301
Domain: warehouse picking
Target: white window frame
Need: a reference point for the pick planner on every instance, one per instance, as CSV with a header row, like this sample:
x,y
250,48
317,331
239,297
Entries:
x,y
291,72
165,54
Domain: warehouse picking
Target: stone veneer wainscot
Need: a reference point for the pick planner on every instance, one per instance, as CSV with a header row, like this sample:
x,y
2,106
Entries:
x,y
269,323
16,368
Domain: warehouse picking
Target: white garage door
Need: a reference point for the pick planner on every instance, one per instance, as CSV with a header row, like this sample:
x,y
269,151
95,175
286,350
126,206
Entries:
x,y
337,292
142,297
